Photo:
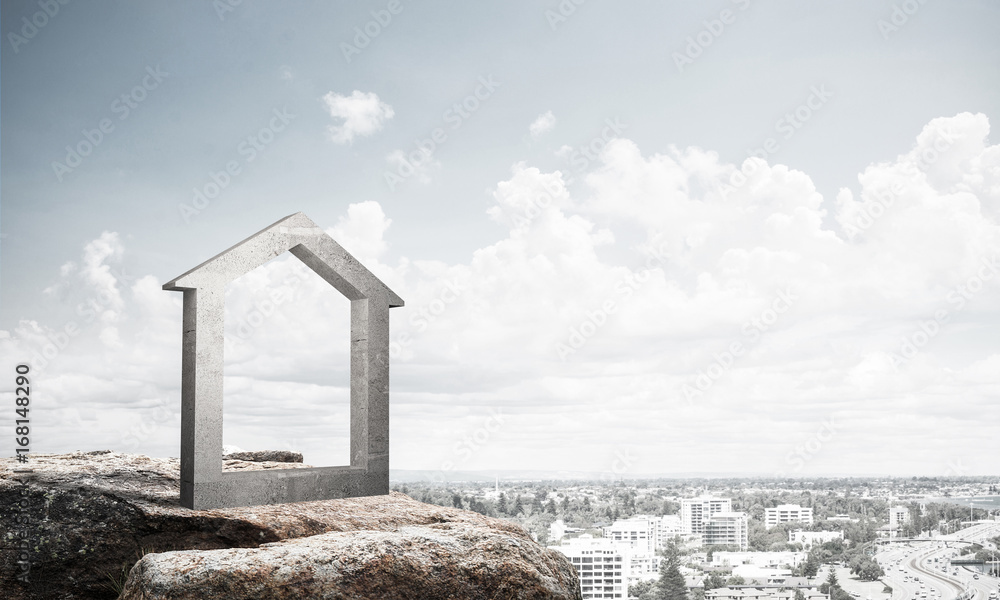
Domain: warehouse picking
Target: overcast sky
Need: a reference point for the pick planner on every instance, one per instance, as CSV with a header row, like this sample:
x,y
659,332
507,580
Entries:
x,y
637,237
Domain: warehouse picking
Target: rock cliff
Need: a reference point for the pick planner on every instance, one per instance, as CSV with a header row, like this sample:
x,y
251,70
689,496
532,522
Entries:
x,y
88,517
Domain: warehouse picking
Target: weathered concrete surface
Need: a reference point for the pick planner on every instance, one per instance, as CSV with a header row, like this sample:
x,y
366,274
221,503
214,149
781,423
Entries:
x,y
204,485
424,562
89,513
286,456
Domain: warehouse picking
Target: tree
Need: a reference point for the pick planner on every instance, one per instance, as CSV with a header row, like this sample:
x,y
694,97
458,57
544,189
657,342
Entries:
x,y
643,590
671,585
799,595
456,500
831,581
502,504
811,567
714,581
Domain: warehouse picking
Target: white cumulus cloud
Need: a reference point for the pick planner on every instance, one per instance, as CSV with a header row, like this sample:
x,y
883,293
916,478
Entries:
x,y
362,113
543,124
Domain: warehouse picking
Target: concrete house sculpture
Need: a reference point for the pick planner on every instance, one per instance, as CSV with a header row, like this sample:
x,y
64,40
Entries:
x,y
203,484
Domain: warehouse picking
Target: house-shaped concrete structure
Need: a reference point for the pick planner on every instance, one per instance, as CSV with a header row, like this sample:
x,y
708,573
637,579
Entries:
x,y
203,484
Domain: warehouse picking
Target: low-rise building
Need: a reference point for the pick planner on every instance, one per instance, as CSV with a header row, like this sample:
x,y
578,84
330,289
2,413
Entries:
x,y
808,539
762,593
769,560
787,513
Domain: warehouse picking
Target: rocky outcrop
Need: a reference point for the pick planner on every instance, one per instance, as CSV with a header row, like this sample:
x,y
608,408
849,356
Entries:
x,y
285,456
444,560
88,517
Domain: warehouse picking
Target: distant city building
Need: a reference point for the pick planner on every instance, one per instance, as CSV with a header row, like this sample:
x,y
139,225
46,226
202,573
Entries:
x,y
696,511
808,539
898,516
670,525
602,565
769,560
787,513
762,593
726,529
845,518
641,532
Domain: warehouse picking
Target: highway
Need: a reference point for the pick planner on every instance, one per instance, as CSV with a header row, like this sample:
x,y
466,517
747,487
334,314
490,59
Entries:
x,y
911,569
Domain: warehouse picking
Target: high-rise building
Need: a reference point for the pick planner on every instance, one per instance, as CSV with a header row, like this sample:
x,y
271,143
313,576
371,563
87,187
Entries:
x,y
727,529
696,511
787,513
602,565
898,516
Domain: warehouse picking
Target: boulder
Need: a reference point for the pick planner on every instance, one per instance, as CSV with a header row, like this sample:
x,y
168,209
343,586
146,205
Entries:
x,y
285,456
88,517
416,562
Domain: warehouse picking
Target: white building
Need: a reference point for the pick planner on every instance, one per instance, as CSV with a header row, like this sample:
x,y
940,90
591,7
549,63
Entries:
x,y
762,593
670,525
696,511
898,516
767,560
602,565
641,532
808,539
787,513
726,529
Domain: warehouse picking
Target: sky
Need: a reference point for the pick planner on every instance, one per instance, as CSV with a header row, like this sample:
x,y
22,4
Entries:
x,y
733,236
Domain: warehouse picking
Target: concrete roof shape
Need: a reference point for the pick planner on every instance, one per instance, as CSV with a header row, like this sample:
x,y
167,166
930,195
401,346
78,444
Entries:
x,y
299,235
203,484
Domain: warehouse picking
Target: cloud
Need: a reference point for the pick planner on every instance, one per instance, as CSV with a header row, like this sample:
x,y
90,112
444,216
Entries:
x,y
696,315
363,114
542,125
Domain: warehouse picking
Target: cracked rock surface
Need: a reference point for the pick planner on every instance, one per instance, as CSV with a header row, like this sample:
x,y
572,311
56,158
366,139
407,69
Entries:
x,y
87,517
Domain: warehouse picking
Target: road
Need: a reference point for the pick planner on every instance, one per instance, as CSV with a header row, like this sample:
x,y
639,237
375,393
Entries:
x,y
911,568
